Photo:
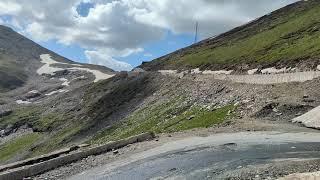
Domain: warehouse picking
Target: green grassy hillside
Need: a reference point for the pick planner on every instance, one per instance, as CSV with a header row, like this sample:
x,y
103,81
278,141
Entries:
x,y
287,37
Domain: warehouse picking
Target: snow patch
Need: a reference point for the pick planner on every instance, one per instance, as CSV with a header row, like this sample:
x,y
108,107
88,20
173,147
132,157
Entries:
x,y
65,82
33,92
56,92
47,69
23,102
98,74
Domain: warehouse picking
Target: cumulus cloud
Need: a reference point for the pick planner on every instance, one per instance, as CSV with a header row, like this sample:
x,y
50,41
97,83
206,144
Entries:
x,y
214,16
111,29
8,7
104,59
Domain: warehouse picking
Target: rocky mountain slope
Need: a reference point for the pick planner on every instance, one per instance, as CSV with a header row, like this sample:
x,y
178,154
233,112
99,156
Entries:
x,y
53,102
33,79
20,58
288,37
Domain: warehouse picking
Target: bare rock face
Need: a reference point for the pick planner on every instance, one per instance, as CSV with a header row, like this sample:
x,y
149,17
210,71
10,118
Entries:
x,y
32,95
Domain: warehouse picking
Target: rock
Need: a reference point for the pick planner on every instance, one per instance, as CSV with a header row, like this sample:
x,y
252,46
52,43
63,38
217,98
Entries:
x,y
181,75
74,148
308,100
84,145
28,178
8,130
115,152
191,117
32,95
236,103
138,70
123,74
230,144
173,169
61,73
305,96
2,133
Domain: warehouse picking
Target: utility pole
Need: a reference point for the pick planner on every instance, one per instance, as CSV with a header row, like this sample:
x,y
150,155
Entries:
x,y
196,33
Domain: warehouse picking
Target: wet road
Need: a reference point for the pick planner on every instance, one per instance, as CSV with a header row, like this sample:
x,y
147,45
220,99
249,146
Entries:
x,y
210,157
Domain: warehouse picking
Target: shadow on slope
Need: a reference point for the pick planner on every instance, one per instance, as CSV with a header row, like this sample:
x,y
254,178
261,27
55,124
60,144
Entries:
x,y
11,74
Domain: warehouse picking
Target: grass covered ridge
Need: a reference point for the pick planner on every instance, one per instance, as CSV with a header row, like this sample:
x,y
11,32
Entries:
x,y
33,116
166,117
289,35
57,129
20,144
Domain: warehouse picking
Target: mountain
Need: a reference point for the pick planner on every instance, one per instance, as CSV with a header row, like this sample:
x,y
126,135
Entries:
x,y
288,37
37,86
48,102
20,58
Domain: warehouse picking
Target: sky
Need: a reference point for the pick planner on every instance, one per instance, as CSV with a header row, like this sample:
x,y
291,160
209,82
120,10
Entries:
x,y
120,34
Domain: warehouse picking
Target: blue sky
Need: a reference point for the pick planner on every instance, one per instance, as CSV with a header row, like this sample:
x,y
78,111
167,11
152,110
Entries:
x,y
169,43
120,34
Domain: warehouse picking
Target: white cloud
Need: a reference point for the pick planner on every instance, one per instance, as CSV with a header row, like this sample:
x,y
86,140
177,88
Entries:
x,y
104,59
214,16
9,7
147,55
118,28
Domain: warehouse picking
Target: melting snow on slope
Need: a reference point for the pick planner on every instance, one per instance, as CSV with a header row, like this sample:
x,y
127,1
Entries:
x,y
65,82
22,102
58,91
98,74
33,92
48,69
